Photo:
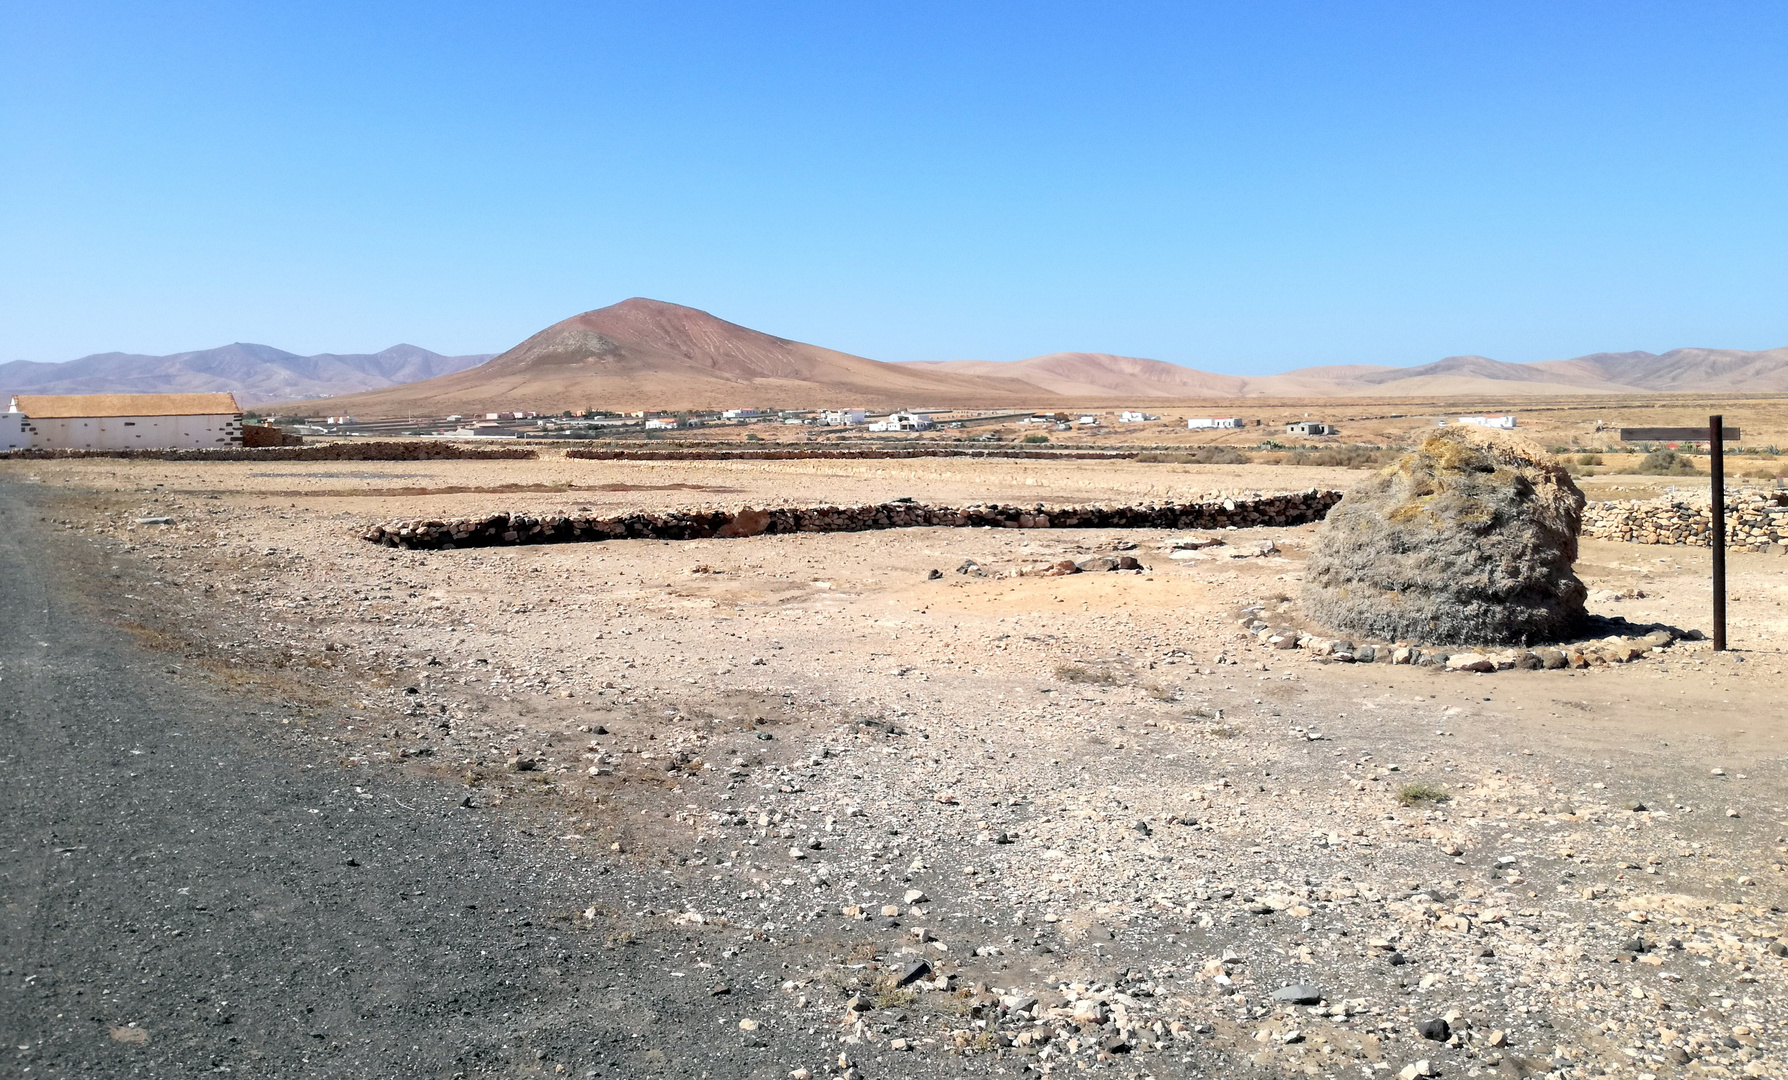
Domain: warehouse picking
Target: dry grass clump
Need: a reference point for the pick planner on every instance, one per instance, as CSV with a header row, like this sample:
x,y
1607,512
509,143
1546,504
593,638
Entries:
x,y
1204,455
1080,673
1419,793
1467,539
1337,457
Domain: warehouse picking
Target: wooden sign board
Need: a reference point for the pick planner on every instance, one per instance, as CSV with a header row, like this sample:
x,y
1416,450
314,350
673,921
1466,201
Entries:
x,y
1674,434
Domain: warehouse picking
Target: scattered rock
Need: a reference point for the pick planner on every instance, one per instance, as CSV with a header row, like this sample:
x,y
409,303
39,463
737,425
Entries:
x,y
1299,994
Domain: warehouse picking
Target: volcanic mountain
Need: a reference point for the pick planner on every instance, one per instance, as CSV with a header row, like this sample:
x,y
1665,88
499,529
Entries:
x,y
646,354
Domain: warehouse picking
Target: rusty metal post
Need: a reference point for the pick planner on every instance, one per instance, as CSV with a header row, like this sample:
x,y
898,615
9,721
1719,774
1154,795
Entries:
x,y
1716,451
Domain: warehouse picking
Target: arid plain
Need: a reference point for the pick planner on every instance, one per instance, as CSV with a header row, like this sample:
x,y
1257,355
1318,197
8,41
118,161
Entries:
x,y
1119,832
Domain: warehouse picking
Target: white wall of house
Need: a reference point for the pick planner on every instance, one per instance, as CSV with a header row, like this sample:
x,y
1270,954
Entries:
x,y
14,434
135,432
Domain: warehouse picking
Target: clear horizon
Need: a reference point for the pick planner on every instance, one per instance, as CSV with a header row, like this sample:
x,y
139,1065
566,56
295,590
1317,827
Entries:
x,y
1238,188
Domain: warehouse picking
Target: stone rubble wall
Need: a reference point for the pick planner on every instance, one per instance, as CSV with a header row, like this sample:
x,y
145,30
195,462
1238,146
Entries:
x,y
504,529
1608,641
1755,521
803,454
343,451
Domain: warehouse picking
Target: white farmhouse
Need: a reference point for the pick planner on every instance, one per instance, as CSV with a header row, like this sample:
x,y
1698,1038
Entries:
x,y
130,421
843,417
1205,424
903,421
1128,417
1502,423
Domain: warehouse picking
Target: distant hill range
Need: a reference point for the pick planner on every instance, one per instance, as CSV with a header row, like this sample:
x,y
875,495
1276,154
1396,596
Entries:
x,y
1718,371
256,374
647,354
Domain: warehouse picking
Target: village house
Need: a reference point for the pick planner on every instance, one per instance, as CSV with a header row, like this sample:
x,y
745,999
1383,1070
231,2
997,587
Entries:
x,y
903,421
1310,427
129,421
1208,423
1501,423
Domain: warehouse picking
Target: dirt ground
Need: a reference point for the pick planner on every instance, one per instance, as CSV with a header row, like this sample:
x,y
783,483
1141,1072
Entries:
x,y
1111,824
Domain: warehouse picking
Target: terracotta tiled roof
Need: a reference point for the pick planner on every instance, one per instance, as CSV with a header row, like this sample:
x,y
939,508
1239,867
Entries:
x,y
60,406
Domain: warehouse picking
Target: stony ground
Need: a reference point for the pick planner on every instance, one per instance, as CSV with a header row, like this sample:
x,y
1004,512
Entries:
x,y
998,820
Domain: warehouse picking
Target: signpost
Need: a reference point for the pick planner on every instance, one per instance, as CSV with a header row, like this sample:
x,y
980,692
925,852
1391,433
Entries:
x,y
1716,434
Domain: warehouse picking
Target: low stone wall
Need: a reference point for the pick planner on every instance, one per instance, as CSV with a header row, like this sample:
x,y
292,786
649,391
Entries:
x,y
1604,641
803,454
503,529
1755,521
343,451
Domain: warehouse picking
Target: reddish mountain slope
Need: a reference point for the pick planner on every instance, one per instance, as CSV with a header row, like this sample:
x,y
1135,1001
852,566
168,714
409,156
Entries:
x,y
646,354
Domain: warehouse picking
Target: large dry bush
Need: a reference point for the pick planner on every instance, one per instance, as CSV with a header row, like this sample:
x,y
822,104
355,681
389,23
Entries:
x,y
1469,539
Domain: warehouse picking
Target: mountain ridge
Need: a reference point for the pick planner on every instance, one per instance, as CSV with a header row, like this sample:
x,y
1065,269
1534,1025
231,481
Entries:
x,y
649,354
256,374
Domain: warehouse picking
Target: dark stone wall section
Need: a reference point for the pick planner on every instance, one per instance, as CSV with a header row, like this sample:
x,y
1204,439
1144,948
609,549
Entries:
x,y
509,529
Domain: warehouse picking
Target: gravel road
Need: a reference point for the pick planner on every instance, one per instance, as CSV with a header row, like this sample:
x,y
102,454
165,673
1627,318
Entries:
x,y
180,902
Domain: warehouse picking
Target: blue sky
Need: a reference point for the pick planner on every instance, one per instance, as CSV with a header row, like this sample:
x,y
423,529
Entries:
x,y
1240,187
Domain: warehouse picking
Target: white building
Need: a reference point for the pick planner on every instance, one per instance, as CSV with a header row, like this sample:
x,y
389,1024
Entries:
x,y
1504,423
1206,424
1088,420
1135,417
903,421
738,414
661,425
843,417
130,421
13,433
1310,427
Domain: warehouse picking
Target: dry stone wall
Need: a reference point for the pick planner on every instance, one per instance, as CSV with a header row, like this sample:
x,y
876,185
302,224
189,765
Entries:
x,y
342,451
503,529
1755,521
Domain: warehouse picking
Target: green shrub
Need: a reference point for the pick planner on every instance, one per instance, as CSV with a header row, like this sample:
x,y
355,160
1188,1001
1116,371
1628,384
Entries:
x,y
1036,438
1665,463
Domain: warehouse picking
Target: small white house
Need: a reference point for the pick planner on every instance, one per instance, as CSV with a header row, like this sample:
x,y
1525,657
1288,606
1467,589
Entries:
x,y
903,421
843,417
1501,423
1089,420
1310,427
738,414
1135,417
661,425
1208,423
129,421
